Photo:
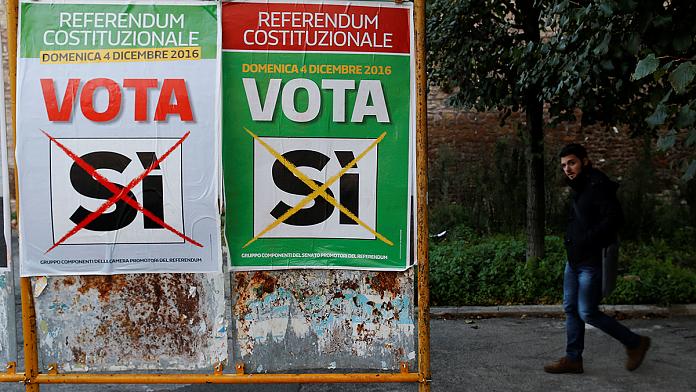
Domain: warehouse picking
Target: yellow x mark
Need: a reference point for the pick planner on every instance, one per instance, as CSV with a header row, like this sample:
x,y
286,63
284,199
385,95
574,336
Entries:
x,y
318,190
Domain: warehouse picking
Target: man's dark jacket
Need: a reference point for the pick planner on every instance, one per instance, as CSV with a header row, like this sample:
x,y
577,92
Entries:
x,y
595,217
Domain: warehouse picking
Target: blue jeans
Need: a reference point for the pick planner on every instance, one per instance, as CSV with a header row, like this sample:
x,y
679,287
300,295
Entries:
x,y
582,292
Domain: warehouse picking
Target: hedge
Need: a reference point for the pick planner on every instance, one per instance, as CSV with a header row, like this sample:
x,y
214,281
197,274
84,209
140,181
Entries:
x,y
468,269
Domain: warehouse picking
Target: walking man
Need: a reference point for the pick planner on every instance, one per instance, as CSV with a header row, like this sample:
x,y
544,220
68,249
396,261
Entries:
x,y
594,219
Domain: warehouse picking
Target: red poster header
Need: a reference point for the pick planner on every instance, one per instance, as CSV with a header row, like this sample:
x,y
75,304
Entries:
x,y
315,27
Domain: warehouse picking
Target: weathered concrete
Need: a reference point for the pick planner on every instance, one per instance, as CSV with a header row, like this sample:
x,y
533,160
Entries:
x,y
130,322
287,321
683,310
619,311
126,322
8,350
7,320
280,321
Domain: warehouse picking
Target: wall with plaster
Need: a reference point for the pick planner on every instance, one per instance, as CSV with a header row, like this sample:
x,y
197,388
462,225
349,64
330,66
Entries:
x,y
281,321
8,350
287,321
131,322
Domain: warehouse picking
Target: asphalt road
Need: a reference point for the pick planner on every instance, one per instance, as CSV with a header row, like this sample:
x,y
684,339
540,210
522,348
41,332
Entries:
x,y
507,354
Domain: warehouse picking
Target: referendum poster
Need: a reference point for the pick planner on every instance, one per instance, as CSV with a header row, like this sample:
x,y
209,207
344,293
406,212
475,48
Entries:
x,y
317,134
118,137
6,238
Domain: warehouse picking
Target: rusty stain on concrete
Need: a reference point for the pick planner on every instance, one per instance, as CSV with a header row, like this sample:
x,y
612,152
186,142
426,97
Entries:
x,y
264,282
79,356
310,319
140,321
383,282
293,320
103,284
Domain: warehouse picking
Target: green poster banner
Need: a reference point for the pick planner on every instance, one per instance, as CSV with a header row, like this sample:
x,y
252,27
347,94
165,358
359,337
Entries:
x,y
317,134
85,27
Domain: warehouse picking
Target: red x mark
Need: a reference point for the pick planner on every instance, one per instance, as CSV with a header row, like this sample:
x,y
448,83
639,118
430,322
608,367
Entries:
x,y
119,193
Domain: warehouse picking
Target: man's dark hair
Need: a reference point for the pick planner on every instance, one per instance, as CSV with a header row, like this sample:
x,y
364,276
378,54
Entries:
x,y
573,149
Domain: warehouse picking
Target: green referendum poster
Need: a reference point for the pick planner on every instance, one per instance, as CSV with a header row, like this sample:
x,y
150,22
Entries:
x,y
317,134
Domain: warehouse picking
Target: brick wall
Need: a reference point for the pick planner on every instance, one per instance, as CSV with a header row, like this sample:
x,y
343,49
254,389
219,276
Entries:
x,y
472,135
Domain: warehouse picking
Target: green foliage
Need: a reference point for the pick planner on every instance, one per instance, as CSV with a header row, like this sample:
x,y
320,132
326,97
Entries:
x,y
651,41
667,141
675,111
689,115
443,215
482,50
622,62
650,213
645,67
487,197
653,281
690,172
629,61
637,197
473,47
467,269
488,271
678,250
682,76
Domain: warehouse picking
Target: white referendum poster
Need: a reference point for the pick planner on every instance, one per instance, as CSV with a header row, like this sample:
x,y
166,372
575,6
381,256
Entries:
x,y
118,137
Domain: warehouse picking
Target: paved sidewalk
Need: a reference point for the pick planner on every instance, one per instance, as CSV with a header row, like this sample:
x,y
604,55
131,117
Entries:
x,y
618,311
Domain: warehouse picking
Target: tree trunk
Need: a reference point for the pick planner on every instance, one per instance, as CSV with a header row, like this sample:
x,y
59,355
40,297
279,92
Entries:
x,y
534,151
534,154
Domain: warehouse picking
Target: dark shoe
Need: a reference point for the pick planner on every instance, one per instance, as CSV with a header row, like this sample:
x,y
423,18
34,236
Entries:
x,y
636,355
564,365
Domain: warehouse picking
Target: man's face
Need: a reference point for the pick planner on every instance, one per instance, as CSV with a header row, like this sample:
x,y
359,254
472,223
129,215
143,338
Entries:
x,y
571,166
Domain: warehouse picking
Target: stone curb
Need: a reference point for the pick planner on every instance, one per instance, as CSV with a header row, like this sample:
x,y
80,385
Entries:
x,y
622,311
